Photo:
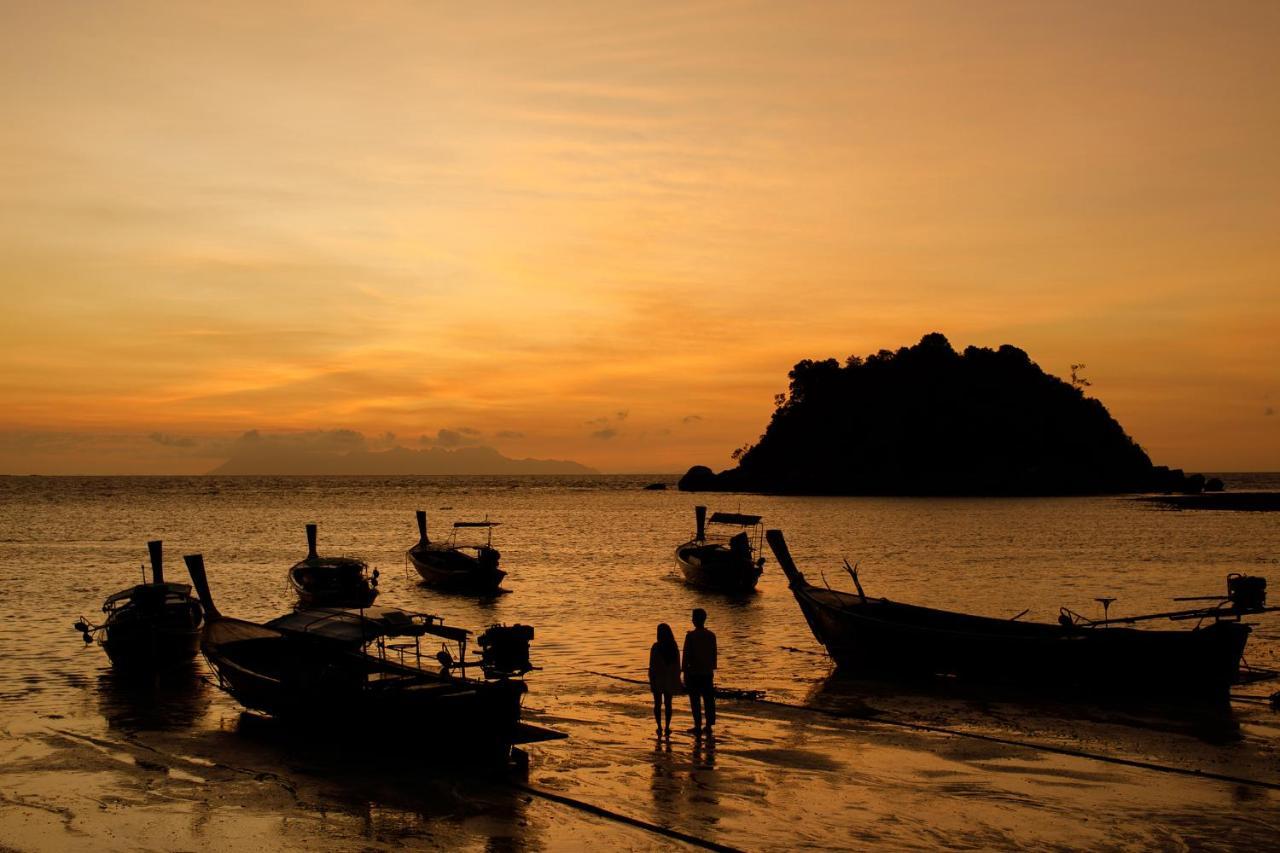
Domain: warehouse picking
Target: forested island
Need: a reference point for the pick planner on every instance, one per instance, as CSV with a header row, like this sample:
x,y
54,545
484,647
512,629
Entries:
x,y
927,420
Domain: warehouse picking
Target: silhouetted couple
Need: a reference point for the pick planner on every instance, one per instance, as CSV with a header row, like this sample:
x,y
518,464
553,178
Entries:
x,y
698,663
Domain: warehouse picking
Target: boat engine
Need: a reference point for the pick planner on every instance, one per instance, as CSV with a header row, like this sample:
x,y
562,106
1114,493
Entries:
x,y
504,650
1246,592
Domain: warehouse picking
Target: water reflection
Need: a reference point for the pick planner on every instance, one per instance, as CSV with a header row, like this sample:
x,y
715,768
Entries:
x,y
685,791
946,701
398,793
176,699
662,782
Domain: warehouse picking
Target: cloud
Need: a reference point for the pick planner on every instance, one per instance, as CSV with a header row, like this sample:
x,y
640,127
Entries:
x,y
509,433
606,424
311,441
172,440
1269,411
40,452
457,437
384,442
691,419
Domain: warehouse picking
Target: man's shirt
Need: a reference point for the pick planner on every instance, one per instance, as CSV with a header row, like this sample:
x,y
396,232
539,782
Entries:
x,y
699,652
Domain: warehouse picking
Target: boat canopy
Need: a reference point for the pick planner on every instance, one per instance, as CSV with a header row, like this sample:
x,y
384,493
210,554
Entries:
x,y
181,590
735,518
332,563
476,523
361,626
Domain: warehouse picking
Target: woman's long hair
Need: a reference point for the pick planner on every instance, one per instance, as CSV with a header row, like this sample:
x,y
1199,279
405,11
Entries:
x,y
667,644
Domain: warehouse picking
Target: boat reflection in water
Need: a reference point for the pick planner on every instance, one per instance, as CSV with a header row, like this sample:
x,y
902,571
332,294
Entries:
x,y
1077,656
335,671
174,700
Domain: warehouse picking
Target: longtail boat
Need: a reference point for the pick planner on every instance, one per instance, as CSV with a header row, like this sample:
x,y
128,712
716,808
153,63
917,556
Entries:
x,y
151,626
454,566
332,581
1076,656
339,669
727,562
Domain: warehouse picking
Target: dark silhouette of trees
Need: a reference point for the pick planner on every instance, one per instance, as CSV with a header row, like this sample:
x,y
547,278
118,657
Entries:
x,y
926,420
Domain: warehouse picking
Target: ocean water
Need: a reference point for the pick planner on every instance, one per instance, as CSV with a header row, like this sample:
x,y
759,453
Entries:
x,y
590,562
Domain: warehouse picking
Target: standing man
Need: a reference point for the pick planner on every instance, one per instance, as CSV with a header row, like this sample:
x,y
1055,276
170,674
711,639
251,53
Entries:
x,y
699,666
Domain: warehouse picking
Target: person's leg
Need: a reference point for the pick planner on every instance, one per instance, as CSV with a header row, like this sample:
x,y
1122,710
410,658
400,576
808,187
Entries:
x,y
657,709
694,685
709,698
669,697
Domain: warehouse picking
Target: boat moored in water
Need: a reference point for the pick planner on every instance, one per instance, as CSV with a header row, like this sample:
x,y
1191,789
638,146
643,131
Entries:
x,y
723,562
1075,657
332,581
340,669
149,627
454,566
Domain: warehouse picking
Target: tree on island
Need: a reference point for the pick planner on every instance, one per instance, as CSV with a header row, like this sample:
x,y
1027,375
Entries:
x,y
926,420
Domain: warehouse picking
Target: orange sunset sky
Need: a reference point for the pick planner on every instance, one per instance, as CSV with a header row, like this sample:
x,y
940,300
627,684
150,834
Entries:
x,y
605,231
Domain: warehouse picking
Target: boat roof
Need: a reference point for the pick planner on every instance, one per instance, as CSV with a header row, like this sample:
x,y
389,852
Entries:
x,y
735,518
179,589
476,523
331,563
360,626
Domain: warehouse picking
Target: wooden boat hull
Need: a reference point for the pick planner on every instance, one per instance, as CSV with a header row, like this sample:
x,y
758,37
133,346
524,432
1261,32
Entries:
x,y
331,582
310,686
152,641
453,570
347,595
882,638
716,567
885,638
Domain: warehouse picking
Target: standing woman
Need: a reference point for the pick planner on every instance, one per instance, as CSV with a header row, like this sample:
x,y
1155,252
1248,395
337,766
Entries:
x,y
664,674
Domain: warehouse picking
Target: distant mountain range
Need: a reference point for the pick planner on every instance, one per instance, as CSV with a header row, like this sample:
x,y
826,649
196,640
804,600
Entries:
x,y
275,459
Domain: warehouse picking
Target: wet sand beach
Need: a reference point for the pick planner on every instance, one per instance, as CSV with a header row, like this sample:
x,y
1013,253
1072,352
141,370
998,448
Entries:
x,y
87,759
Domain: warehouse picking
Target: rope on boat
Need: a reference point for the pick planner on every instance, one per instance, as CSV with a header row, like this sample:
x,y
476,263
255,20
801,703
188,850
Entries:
x,y
609,814
1042,747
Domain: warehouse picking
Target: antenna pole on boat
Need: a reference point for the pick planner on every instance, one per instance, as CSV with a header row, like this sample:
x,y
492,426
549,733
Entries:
x,y
700,515
156,550
311,542
853,573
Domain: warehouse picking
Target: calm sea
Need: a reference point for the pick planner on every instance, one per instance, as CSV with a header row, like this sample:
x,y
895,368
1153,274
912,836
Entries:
x,y
591,567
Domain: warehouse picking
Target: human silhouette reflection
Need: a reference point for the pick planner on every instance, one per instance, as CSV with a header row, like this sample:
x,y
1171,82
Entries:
x,y
685,786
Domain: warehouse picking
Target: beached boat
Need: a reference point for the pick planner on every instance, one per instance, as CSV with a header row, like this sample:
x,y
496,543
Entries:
x,y
727,562
449,565
343,669
332,581
1076,656
151,626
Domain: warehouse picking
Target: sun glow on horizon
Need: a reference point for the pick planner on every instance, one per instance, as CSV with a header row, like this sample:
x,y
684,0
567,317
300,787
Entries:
x,y
604,232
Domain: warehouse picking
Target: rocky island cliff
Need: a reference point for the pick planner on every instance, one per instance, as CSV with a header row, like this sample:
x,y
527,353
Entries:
x,y
927,420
